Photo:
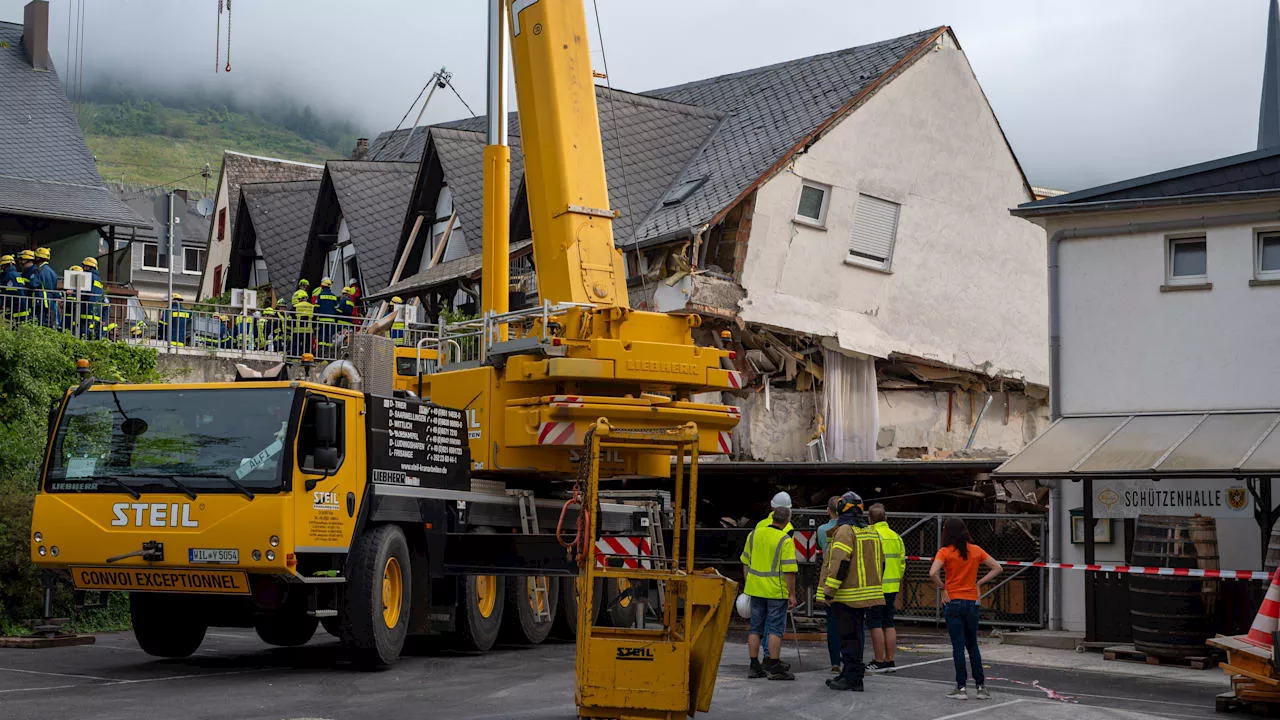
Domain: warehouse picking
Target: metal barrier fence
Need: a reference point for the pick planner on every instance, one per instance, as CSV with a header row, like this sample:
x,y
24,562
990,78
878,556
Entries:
x,y
1016,598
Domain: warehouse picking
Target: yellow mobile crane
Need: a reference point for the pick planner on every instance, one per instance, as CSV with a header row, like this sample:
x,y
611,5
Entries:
x,y
363,499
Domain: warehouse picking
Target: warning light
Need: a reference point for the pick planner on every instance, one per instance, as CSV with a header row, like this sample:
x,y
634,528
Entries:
x,y
82,364
733,354
290,560
556,342
308,358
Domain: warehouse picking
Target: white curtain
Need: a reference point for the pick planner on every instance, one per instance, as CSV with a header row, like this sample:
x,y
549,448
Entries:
x,y
852,407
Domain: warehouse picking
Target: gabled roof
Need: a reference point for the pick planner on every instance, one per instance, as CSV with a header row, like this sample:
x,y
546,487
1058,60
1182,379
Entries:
x,y
461,157
239,168
1222,179
46,169
152,205
279,222
372,197
772,112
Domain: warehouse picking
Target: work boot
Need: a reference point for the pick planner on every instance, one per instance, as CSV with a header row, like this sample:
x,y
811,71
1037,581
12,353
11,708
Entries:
x,y
756,671
844,683
776,671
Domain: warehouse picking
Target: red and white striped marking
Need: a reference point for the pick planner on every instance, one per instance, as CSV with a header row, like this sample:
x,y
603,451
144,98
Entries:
x,y
569,401
1268,617
633,550
556,433
806,542
735,379
1136,570
724,441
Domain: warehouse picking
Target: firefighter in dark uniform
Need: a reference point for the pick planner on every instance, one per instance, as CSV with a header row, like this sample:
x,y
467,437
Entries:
x,y
174,322
326,315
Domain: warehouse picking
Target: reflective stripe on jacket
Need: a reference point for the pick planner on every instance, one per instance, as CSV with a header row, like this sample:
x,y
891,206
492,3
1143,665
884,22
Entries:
x,y
768,555
895,557
861,585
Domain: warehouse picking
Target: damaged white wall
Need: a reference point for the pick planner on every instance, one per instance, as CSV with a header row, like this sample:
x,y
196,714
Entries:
x,y
916,420
910,420
967,285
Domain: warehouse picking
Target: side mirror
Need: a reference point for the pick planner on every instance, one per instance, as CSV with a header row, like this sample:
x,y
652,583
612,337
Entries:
x,y
326,458
326,424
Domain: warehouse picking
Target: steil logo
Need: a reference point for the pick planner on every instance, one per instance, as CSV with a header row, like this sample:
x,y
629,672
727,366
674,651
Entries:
x,y
153,515
635,653
324,500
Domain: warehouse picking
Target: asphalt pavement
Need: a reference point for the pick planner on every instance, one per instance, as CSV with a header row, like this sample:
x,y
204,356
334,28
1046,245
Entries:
x,y
234,675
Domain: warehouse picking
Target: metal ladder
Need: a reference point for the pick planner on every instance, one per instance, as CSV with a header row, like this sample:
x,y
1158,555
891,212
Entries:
x,y
529,526
656,547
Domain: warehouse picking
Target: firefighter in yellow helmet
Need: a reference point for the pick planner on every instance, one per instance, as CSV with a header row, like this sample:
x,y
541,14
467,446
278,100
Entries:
x,y
397,327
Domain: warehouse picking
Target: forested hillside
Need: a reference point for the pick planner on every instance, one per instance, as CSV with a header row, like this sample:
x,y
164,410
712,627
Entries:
x,y
156,138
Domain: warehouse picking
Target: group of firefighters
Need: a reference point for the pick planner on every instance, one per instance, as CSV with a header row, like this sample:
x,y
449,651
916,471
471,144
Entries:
x,y
310,322
29,293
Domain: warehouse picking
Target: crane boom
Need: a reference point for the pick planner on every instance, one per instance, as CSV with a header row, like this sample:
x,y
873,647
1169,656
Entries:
x,y
568,197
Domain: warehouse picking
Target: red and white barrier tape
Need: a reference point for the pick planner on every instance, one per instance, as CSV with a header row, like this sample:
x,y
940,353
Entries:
x,y
1135,569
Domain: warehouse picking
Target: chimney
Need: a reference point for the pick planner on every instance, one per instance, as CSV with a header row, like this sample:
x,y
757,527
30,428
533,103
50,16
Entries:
x,y
362,149
35,33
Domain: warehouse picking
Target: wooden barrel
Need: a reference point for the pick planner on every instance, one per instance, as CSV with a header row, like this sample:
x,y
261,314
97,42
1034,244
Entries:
x,y
1172,616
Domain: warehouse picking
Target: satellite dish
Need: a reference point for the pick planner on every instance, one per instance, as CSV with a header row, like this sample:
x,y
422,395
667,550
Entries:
x,y
205,207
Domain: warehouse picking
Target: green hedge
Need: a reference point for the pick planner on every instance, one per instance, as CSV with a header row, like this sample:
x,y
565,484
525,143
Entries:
x,y
37,365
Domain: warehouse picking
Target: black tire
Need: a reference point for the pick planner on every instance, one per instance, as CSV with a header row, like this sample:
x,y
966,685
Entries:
x,y
166,625
286,629
520,624
332,625
619,608
567,618
476,630
372,640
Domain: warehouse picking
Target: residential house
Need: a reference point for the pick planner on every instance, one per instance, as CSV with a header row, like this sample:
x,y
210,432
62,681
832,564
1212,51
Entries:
x,y
358,214
842,215
237,169
50,192
1165,389
141,259
280,214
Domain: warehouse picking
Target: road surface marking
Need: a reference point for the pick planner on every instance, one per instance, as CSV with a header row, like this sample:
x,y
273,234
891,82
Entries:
x,y
34,689
977,710
54,674
926,662
1015,688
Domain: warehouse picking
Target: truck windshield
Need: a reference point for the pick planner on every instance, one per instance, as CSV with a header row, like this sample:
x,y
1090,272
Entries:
x,y
182,441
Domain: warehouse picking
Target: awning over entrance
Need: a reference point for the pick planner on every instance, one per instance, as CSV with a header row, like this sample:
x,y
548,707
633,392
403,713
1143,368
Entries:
x,y
1242,444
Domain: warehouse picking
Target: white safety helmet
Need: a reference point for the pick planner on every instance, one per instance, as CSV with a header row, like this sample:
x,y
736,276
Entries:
x,y
743,606
780,500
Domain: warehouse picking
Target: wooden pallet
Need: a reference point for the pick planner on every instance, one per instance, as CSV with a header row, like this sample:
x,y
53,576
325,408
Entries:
x,y
1129,653
36,642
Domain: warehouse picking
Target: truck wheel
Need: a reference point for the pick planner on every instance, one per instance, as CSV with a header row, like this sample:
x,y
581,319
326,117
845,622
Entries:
x,y
166,625
375,616
286,629
480,612
332,625
567,618
521,624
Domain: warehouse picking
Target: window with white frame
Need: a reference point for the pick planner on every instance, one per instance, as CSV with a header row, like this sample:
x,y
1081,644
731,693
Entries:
x,y
812,206
1188,262
192,260
1267,256
875,232
152,259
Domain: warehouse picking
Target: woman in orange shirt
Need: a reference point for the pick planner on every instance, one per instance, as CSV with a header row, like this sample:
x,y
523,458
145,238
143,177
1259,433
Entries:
x,y
960,559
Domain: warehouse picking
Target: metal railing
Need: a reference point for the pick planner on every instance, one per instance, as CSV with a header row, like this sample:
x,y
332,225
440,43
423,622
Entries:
x,y
472,340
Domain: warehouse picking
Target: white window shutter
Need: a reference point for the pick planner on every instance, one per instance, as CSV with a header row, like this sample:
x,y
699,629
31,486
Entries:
x,y
875,228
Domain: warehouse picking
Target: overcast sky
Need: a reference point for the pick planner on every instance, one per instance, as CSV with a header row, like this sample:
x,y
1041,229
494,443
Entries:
x,y
1088,91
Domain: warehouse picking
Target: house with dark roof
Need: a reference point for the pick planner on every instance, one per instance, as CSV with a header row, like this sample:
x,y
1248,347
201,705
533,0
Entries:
x,y
238,169
842,215
50,192
271,233
358,214
141,259
1163,299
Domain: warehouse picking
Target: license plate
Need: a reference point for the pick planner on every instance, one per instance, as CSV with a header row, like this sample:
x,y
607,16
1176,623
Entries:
x,y
232,582
197,556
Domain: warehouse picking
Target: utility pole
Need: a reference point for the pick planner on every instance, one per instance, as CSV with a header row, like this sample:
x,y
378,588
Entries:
x,y
169,299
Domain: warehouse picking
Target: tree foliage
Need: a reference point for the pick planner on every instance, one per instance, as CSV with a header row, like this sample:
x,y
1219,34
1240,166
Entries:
x,y
37,366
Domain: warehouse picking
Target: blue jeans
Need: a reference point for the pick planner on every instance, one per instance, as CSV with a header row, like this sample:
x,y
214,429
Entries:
x,y
833,639
962,625
768,617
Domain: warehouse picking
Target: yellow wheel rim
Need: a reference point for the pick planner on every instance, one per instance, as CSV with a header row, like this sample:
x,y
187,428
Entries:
x,y
624,585
392,592
537,602
486,594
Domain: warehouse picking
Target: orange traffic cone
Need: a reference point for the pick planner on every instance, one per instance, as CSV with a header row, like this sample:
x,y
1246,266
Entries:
x,y
1268,619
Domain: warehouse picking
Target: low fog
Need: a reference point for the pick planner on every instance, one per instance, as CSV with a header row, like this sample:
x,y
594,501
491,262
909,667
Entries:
x,y
1087,92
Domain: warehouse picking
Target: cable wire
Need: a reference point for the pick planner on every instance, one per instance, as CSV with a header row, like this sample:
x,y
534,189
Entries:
x,y
449,82
622,161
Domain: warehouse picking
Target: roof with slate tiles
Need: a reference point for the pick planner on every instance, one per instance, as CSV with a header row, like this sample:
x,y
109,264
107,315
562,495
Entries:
x,y
1226,178
46,169
278,221
371,197
239,168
